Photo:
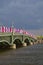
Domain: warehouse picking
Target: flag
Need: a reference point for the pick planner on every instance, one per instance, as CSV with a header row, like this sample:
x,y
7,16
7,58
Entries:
x,y
3,28
21,31
10,29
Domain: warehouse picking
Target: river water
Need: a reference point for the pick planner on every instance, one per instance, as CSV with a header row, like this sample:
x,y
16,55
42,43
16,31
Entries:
x,y
30,55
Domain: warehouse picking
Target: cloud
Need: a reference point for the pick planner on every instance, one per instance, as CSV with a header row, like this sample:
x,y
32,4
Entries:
x,y
24,13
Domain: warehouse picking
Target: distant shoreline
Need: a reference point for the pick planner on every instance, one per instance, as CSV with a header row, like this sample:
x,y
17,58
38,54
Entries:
x,y
36,31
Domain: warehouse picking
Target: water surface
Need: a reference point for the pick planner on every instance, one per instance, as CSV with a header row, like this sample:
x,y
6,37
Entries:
x,y
30,55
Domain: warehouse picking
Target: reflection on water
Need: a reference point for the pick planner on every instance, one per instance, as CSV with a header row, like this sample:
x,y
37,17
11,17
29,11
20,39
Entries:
x,y
30,55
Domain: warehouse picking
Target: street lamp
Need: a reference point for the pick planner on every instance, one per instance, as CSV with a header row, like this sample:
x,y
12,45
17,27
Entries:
x,y
12,32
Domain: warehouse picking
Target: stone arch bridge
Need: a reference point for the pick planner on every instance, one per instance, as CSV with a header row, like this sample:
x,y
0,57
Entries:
x,y
15,40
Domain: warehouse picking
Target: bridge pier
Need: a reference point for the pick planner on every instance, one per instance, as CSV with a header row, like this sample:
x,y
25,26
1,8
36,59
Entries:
x,y
13,46
31,43
24,44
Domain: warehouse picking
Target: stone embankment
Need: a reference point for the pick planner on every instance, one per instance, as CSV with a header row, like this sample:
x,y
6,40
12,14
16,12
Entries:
x,y
40,39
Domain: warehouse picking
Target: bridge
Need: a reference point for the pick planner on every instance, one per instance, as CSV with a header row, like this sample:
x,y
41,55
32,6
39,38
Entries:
x,y
15,37
15,40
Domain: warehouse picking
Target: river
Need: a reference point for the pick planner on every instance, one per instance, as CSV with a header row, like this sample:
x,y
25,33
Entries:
x,y
30,55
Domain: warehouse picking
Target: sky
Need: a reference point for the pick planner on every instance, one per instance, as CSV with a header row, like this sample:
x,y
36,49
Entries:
x,y
26,14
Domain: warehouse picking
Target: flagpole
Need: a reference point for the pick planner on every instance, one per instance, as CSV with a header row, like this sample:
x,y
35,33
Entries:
x,y
12,32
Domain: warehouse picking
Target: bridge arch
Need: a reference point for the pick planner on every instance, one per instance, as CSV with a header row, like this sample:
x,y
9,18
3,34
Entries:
x,y
32,41
4,43
18,42
27,41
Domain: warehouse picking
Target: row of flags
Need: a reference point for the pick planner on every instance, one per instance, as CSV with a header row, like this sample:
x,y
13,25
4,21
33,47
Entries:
x,y
7,29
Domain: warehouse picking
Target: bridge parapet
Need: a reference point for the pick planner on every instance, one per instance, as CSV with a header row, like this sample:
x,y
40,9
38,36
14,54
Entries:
x,y
16,39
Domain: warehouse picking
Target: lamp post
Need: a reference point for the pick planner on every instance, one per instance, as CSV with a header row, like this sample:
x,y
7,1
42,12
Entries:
x,y
12,32
13,45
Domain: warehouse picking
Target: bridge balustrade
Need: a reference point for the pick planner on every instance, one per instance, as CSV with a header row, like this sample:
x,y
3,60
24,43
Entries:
x,y
15,39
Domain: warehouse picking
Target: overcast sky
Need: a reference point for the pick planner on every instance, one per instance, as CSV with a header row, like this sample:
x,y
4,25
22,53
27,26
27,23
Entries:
x,y
26,14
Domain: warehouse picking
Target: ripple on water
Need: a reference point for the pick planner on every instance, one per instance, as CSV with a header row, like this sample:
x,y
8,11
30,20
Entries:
x,y
30,55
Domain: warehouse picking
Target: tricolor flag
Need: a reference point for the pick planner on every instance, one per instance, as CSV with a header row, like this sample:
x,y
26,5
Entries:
x,y
3,28
10,29
7,29
21,31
